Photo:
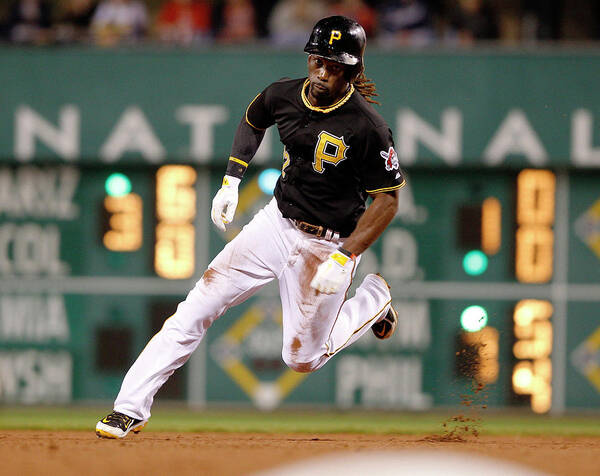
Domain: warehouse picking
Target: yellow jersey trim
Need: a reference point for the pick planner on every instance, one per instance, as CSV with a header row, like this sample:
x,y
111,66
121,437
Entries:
x,y
248,120
324,109
238,161
387,189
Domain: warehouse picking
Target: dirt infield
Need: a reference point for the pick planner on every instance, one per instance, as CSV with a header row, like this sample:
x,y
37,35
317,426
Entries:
x,y
77,453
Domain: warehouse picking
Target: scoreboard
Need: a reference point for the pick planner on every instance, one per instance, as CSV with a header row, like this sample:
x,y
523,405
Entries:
x,y
106,184
92,260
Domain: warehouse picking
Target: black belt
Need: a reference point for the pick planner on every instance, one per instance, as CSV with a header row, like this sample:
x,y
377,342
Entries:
x,y
317,230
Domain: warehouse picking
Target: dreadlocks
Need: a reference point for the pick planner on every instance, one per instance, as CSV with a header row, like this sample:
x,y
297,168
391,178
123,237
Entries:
x,y
366,88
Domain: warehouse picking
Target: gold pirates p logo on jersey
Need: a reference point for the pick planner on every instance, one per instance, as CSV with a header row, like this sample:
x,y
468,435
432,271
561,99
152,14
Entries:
x,y
330,149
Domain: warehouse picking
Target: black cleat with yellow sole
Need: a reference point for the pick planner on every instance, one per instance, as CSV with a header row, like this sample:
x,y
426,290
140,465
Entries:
x,y
118,425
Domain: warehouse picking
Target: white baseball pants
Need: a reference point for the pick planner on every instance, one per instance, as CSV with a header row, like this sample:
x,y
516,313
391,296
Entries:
x,y
315,326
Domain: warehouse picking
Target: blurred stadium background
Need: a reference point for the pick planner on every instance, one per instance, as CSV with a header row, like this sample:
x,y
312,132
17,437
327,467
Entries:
x,y
115,138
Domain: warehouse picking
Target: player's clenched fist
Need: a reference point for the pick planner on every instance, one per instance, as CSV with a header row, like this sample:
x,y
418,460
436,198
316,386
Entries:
x,y
225,202
332,273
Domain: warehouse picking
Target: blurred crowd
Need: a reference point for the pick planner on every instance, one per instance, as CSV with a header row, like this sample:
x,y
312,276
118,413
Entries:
x,y
286,23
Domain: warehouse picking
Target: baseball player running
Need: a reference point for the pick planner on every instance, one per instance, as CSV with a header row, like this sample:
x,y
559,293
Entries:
x,y
338,151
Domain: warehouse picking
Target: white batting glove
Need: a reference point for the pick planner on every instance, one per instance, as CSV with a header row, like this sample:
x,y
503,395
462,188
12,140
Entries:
x,y
225,202
332,273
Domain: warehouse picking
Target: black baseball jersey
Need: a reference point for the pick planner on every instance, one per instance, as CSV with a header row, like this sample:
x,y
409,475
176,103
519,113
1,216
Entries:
x,y
334,156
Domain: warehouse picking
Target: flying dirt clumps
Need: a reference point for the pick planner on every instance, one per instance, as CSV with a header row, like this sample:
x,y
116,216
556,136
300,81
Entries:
x,y
459,428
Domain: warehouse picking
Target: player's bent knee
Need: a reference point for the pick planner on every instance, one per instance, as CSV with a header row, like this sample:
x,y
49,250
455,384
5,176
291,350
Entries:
x,y
302,367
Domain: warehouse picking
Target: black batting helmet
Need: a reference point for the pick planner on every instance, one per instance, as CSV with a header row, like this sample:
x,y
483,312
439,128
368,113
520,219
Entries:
x,y
339,39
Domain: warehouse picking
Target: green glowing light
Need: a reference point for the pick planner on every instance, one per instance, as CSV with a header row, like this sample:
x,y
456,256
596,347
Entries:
x,y
475,263
117,185
473,318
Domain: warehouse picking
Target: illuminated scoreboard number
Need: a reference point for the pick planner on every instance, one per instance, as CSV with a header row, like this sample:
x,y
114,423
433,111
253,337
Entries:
x,y
125,224
534,250
174,256
532,375
477,355
175,207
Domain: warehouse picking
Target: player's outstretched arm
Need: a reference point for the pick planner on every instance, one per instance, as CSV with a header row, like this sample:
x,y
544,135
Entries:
x,y
331,274
245,144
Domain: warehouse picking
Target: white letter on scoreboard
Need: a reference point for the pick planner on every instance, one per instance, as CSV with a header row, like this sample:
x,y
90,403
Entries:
x,y
515,136
29,126
582,149
133,133
202,120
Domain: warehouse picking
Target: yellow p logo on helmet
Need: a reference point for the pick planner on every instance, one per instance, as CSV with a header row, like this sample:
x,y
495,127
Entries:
x,y
335,35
